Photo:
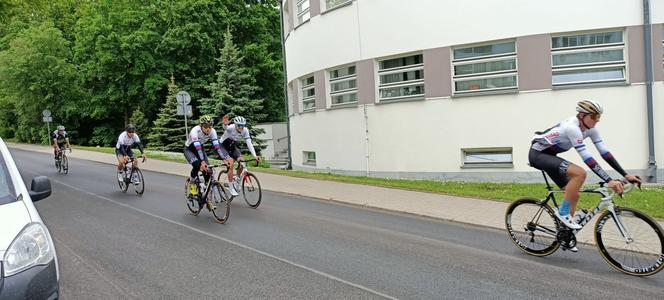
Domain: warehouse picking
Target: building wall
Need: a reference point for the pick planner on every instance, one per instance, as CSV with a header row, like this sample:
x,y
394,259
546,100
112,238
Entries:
x,y
423,138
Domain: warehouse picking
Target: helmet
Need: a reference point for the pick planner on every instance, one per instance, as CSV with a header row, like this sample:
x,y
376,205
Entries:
x,y
60,127
239,121
130,128
205,120
589,107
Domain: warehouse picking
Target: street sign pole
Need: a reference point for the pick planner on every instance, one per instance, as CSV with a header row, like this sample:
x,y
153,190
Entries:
x,y
186,130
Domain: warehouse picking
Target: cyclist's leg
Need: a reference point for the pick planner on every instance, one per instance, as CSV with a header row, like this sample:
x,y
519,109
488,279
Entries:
x,y
120,158
228,159
577,176
195,162
237,155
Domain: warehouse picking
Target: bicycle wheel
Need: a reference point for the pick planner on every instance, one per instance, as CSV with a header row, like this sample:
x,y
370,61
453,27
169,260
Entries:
x,y
532,226
65,164
191,200
251,190
138,182
222,180
123,184
222,208
643,254
58,164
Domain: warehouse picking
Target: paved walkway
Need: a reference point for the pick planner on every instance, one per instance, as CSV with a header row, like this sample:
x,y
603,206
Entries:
x,y
459,209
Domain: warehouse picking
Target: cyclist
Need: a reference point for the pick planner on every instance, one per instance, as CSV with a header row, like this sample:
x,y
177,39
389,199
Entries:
x,y
568,176
233,133
123,152
60,139
193,151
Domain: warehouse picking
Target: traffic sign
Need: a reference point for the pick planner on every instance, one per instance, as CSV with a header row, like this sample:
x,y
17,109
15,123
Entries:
x,y
181,110
47,119
46,113
183,98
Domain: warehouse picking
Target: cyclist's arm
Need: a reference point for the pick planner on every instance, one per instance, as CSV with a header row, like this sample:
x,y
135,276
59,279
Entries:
x,y
577,141
606,154
247,139
137,142
216,145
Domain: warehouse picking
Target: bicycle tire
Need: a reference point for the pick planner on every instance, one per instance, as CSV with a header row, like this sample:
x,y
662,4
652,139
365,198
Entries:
x,y
64,164
139,190
123,185
58,163
249,184
190,200
534,210
222,207
654,251
222,180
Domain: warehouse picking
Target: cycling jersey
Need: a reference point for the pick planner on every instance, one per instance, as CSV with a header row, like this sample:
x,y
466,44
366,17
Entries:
x,y
567,134
124,144
197,138
59,138
231,134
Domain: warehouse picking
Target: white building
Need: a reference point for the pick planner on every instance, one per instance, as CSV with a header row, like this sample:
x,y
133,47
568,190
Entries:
x,y
455,89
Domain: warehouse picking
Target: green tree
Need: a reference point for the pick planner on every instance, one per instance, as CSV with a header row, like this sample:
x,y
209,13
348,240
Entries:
x,y
36,74
141,123
234,91
168,130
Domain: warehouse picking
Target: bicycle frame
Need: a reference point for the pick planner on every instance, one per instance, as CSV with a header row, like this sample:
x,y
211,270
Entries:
x,y
605,203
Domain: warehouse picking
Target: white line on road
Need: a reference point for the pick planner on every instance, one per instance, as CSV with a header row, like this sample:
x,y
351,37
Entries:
x,y
235,243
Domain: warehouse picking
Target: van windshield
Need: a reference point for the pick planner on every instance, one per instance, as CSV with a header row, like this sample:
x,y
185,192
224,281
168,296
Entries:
x,y
6,185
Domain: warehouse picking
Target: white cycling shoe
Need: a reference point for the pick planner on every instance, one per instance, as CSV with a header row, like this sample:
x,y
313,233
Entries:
x,y
233,191
567,220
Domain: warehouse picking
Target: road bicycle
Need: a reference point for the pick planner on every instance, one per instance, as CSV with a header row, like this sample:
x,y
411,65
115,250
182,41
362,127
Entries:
x,y
211,192
629,240
62,162
132,175
246,183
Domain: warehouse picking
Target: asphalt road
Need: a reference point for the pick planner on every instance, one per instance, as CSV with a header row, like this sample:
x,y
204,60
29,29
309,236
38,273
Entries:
x,y
115,245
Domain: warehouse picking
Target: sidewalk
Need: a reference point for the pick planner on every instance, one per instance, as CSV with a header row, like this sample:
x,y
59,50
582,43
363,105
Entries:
x,y
465,210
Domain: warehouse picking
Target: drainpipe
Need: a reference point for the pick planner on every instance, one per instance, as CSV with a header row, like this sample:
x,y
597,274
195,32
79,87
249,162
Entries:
x,y
652,164
289,166
366,137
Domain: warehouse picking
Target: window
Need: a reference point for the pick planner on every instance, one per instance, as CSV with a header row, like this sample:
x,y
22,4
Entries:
x,y
308,93
401,77
330,4
6,184
588,58
487,157
302,11
485,68
343,85
309,158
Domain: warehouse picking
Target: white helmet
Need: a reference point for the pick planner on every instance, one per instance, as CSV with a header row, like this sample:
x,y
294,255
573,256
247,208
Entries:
x,y
60,127
239,121
589,107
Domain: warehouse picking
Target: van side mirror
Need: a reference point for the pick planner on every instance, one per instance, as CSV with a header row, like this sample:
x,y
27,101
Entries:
x,y
40,188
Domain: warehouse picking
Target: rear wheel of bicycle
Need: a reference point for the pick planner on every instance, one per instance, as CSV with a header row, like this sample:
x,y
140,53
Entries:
x,y
532,226
64,165
191,200
221,205
138,182
642,253
251,190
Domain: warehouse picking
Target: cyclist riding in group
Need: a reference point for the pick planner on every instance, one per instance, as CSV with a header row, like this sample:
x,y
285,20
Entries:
x,y
195,155
563,136
123,152
231,153
60,139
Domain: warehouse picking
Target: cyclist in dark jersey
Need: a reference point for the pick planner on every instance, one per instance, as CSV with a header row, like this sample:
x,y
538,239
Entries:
x,y
60,139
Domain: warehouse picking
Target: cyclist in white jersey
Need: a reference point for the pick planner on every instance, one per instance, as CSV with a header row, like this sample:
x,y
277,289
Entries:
x,y
568,176
193,151
123,152
233,133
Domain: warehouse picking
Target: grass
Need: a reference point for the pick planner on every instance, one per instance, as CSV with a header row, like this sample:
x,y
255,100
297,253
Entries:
x,y
649,200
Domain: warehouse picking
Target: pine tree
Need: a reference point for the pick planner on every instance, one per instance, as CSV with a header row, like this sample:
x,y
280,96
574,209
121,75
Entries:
x,y
168,131
139,121
235,91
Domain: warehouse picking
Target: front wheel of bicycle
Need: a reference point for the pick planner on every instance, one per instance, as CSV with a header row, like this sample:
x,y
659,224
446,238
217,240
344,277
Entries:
x,y
532,226
638,249
65,164
138,181
191,200
221,209
251,190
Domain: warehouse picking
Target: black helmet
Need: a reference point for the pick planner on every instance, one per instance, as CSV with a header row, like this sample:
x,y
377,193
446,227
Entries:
x,y
130,128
